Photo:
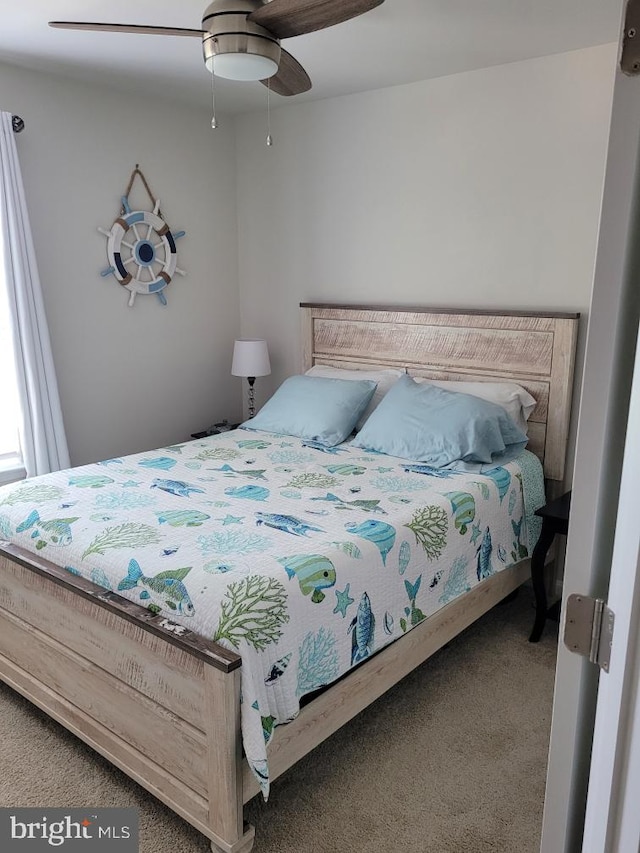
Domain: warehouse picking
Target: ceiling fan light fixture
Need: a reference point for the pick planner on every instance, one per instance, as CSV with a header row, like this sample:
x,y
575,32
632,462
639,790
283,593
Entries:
x,y
241,56
242,66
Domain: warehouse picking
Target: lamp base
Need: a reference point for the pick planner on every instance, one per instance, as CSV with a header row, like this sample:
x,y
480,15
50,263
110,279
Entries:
x,y
252,403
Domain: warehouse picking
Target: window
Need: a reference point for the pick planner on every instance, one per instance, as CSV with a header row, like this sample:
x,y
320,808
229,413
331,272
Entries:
x,y
10,456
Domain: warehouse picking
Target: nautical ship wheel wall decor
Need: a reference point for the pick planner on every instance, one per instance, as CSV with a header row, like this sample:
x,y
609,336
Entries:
x,y
141,248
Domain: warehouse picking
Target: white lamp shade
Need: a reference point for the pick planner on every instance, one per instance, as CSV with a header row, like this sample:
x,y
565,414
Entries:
x,y
250,358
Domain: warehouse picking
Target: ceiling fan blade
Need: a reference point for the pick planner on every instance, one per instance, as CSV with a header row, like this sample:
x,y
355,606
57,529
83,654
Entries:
x,y
124,28
287,18
291,78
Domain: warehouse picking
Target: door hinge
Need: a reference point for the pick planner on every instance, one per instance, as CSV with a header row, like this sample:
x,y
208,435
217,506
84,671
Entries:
x,y
630,56
588,629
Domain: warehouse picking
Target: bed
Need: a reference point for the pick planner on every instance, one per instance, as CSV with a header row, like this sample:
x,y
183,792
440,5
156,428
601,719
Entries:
x,y
163,703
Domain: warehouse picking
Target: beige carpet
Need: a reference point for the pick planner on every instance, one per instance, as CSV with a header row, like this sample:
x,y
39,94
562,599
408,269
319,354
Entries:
x,y
452,760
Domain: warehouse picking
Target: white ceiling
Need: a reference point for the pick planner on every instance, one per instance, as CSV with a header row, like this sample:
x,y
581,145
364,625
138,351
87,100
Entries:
x,y
399,42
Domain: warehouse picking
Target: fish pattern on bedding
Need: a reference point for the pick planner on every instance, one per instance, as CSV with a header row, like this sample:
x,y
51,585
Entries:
x,y
305,560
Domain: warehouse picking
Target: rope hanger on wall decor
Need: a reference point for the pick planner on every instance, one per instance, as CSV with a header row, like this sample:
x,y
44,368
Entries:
x,y
141,248
137,173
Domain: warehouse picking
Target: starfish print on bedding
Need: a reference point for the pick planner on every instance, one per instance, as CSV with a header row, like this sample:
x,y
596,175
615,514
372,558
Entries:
x,y
232,519
344,601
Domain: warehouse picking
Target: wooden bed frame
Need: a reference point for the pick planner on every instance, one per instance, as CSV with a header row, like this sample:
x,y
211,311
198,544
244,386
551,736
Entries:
x,y
163,704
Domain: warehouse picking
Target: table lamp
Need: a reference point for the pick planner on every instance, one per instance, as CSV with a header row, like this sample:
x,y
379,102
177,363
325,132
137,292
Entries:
x,y
250,359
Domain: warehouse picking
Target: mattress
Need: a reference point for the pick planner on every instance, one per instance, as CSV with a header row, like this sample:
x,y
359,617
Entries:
x,y
303,559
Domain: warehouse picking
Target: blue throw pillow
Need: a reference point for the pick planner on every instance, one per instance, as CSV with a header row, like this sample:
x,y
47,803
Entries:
x,y
322,410
425,423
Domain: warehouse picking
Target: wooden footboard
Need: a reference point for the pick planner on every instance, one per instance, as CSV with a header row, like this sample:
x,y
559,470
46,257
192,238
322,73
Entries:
x,y
158,702
162,704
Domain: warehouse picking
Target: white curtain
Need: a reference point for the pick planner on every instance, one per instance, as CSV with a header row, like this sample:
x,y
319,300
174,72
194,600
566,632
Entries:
x,y
42,438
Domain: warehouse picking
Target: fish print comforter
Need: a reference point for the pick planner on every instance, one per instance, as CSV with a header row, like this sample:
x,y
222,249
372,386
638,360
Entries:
x,y
304,560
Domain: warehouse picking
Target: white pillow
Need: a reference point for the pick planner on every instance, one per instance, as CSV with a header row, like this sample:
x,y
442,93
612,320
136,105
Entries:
x,y
385,379
514,399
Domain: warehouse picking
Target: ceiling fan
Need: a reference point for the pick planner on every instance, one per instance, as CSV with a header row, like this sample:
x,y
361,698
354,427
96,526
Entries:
x,y
241,38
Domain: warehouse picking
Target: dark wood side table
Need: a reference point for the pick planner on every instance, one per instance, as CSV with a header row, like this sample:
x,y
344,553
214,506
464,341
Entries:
x,y
215,429
555,519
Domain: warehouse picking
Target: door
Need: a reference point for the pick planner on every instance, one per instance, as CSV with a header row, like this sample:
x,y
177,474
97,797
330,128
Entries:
x,y
602,427
613,818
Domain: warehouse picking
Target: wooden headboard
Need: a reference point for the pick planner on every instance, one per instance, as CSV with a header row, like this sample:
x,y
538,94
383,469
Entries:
x,y
537,350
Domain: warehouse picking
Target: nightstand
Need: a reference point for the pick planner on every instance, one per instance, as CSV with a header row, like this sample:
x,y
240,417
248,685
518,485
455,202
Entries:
x,y
215,429
555,519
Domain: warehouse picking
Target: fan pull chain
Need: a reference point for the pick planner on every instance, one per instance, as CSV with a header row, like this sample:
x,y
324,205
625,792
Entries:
x,y
269,137
214,121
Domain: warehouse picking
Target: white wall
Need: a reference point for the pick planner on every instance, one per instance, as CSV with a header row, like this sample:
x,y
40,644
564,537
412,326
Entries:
x,y
130,378
475,190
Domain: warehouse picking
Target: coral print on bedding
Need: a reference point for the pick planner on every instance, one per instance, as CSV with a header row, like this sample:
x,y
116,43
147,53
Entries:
x,y
305,560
